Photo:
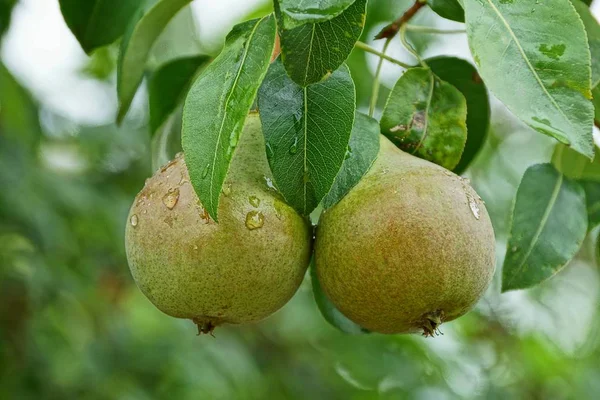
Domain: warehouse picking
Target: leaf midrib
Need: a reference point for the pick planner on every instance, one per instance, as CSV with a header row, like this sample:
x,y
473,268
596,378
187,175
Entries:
x,y
233,86
429,101
543,222
522,51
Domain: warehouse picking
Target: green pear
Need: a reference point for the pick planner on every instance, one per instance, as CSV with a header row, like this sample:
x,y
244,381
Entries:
x,y
238,271
409,247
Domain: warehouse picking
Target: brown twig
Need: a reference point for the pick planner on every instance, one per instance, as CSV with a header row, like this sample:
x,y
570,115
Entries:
x,y
392,29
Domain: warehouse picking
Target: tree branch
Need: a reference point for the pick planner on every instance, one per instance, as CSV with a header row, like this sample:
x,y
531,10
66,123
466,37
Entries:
x,y
392,29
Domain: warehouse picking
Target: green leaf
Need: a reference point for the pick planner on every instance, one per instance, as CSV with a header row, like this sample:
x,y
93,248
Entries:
x,y
596,101
362,152
534,56
312,52
218,103
141,34
463,76
549,224
328,310
449,9
574,165
96,23
168,86
6,7
307,130
295,13
592,199
19,120
426,116
593,36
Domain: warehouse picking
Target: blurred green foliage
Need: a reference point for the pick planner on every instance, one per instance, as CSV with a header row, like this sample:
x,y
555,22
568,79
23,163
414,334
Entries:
x,y
74,326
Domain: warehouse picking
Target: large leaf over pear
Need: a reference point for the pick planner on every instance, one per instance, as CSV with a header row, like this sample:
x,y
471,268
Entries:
x,y
217,105
307,130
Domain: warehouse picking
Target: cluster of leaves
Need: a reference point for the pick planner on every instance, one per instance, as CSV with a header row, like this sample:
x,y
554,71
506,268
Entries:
x,y
543,63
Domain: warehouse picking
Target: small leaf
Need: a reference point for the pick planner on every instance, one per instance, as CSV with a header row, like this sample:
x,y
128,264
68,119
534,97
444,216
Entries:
x,y
312,52
539,65
592,29
168,86
141,34
328,310
96,23
592,199
362,152
295,13
449,9
575,166
217,105
549,224
426,116
307,130
463,76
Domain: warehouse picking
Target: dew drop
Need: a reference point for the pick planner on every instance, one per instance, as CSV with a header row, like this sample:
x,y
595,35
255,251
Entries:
x,y
270,151
270,184
348,153
255,220
134,220
205,172
195,247
474,206
279,208
254,201
294,146
171,198
226,189
385,171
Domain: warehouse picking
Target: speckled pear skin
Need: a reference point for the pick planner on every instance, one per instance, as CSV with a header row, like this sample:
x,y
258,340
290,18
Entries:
x,y
191,267
409,247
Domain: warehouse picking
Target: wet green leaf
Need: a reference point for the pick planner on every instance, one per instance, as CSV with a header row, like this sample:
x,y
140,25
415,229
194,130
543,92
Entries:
x,y
592,198
426,116
328,310
463,76
96,23
549,224
141,34
307,131
168,86
592,29
362,152
312,52
449,9
543,77
217,105
295,13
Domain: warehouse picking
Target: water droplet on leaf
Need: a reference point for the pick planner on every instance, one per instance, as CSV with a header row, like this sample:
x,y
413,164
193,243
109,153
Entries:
x,y
134,220
294,146
205,172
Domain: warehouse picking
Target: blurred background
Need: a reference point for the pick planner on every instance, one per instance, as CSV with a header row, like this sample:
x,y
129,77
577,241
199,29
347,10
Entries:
x,y
74,326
